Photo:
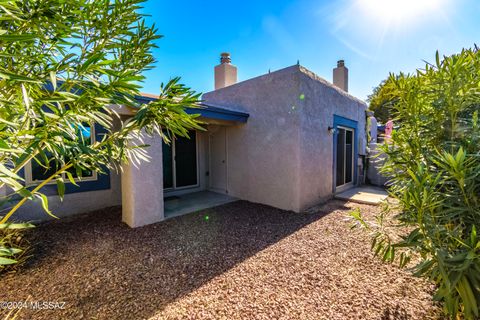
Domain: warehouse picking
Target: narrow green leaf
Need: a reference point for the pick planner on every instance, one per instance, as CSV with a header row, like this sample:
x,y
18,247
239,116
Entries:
x,y
44,201
60,187
71,178
7,261
24,225
25,193
4,145
17,37
9,173
53,79
473,236
9,252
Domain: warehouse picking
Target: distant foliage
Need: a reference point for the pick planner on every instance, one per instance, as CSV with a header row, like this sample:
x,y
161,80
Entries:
x,y
433,166
383,98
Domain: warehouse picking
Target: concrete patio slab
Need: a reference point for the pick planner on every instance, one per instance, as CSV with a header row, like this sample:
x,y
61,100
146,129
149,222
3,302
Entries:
x,y
364,194
191,202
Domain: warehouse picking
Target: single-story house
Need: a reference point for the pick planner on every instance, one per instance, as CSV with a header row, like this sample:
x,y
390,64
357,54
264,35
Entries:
x,y
288,139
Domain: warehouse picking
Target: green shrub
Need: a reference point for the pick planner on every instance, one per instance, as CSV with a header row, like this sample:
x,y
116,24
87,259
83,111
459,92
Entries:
x,y
14,247
433,167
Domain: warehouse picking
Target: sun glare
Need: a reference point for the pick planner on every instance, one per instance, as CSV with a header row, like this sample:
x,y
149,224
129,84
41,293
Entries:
x,y
366,26
399,11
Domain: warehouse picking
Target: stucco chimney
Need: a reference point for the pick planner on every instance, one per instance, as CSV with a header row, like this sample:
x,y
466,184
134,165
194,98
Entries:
x,y
225,72
340,76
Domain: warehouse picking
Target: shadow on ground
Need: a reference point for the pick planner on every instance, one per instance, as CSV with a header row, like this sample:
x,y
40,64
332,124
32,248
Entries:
x,y
396,313
102,269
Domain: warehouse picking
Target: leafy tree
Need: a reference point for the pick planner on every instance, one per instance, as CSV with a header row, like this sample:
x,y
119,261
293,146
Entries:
x,y
384,97
63,63
433,163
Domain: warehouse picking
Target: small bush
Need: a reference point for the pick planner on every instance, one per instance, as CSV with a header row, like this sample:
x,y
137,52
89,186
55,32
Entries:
x,y
14,247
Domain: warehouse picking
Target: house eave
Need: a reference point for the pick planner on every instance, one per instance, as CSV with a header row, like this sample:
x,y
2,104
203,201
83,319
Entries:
x,y
207,111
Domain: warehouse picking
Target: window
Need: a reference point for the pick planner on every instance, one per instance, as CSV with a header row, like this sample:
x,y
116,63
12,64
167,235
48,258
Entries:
x,y
36,173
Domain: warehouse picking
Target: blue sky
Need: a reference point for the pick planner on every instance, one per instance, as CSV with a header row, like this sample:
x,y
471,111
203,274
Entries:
x,y
374,37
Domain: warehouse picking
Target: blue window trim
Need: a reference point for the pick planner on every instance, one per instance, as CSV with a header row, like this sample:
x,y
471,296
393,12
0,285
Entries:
x,y
101,183
144,99
211,112
348,123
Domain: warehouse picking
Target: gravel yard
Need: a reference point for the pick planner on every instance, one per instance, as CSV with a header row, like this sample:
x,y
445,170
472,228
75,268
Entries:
x,y
236,261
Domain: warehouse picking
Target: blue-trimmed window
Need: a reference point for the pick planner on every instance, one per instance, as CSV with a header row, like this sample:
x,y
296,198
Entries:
x,y
34,173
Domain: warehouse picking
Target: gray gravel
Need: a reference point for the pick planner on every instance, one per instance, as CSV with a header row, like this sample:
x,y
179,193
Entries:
x,y
245,261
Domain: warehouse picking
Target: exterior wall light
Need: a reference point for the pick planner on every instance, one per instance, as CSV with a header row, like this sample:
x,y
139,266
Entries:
x,y
332,130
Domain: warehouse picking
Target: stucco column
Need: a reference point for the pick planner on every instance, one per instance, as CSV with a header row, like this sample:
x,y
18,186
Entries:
x,y
142,187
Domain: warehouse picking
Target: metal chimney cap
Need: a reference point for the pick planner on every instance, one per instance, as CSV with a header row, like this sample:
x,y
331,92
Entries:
x,y
340,63
225,57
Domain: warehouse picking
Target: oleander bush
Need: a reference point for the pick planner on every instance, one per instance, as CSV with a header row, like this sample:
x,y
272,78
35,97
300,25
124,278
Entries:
x,y
62,65
433,167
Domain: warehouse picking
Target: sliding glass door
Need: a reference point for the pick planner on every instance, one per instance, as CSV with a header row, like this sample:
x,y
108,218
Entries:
x,y
345,157
180,163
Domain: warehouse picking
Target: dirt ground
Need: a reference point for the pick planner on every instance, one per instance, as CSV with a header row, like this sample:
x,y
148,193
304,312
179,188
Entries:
x,y
236,261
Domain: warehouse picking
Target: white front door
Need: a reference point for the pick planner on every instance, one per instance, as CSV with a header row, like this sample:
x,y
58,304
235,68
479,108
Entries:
x,y
218,159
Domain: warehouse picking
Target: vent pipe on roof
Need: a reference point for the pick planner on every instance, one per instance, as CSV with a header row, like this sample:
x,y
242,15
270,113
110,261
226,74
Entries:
x,y
340,76
225,72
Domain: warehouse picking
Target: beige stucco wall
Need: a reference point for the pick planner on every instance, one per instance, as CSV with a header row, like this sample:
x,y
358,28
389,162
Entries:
x,y
263,154
73,203
283,155
142,185
321,102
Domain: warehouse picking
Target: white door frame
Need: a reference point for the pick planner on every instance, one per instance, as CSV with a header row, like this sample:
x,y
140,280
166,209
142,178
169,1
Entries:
x,y
174,168
210,187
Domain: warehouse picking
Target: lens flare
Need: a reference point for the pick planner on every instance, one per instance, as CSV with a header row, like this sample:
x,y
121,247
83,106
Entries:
x,y
399,11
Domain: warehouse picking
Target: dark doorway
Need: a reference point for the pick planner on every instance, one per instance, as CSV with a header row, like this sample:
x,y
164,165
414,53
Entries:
x,y
344,156
180,162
